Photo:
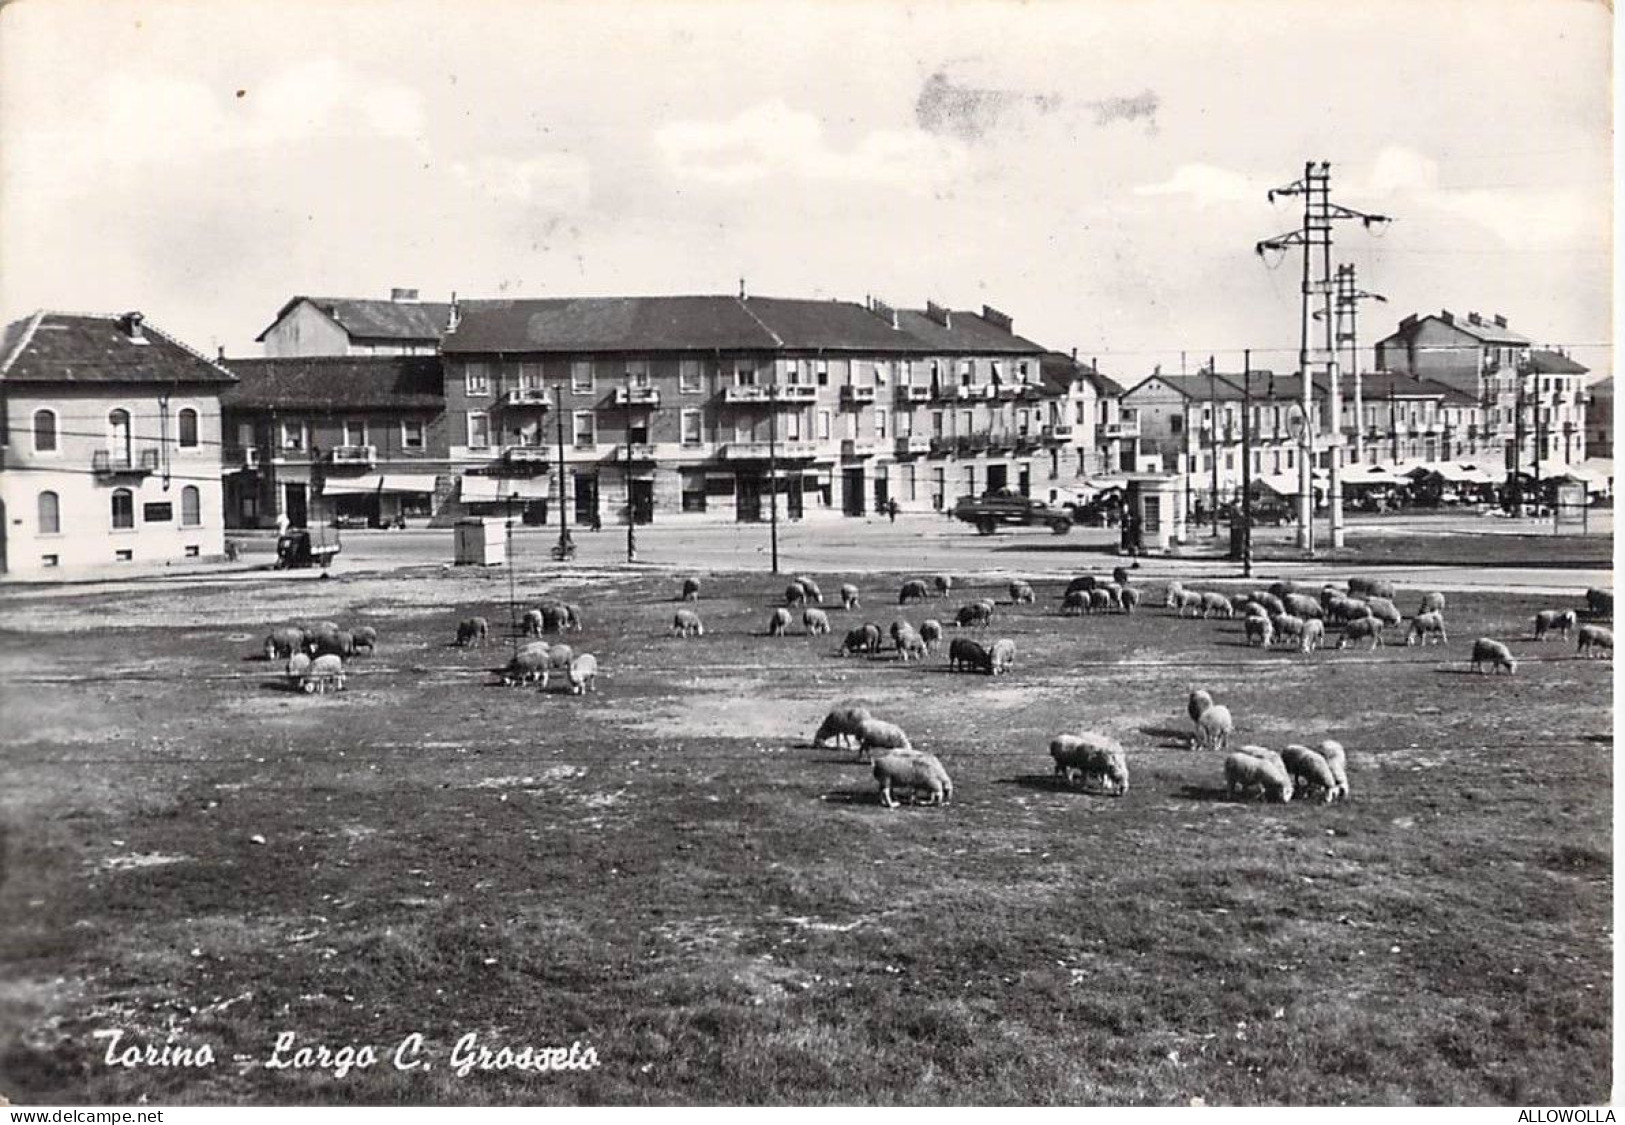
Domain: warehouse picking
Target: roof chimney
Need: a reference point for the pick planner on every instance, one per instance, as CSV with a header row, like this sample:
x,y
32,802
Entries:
x,y
998,319
741,289
1074,355
1500,321
403,295
454,317
1474,318
1447,316
130,325
1408,321
220,353
939,313
884,312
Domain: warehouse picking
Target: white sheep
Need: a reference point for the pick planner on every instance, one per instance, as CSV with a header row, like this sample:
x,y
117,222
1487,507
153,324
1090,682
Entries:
x,y
1217,603
326,671
1197,704
527,665
1003,655
1309,770
944,584
1247,771
530,625
811,590
583,672
1214,728
1384,610
1338,761
1313,636
1093,756
931,632
1129,598
1594,638
1493,653
1075,603
1302,605
910,645
1259,629
687,623
1427,628
1021,593
877,734
913,770
1431,603
1288,627
559,659
298,665
472,631
849,596
1361,628
815,621
1554,621
284,642
1268,600
779,624
842,723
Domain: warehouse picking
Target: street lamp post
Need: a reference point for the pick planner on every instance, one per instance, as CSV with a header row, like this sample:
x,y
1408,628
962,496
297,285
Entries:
x,y
565,548
631,512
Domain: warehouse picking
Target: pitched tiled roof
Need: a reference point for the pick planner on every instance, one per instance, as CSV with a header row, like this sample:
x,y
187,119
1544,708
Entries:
x,y
830,325
55,347
1487,331
402,321
1554,363
1391,384
1059,371
336,383
965,334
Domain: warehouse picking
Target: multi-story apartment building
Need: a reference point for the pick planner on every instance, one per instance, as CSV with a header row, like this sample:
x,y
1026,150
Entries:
x,y
1599,424
111,445
1095,435
320,438
1532,399
402,325
680,404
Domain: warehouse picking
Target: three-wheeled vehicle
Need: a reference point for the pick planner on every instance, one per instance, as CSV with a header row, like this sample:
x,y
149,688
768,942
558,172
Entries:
x,y
296,548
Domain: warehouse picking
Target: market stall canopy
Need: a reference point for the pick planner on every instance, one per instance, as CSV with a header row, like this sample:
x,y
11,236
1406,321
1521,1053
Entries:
x,y
1368,474
1449,470
1478,474
1282,484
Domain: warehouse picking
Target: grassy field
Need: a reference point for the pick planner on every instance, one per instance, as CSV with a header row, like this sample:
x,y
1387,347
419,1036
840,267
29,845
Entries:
x,y
1424,547
667,869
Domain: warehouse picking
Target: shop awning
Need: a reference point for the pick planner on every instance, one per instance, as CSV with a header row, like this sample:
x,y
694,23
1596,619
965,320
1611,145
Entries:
x,y
408,482
491,490
351,486
1367,474
1583,474
1282,484
1478,474
1449,470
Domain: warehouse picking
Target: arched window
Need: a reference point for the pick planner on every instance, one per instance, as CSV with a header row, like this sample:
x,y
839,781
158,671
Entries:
x,y
50,514
191,506
118,437
44,431
123,508
188,428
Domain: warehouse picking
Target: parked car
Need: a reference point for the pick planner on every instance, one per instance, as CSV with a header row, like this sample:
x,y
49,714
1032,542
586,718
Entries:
x,y
1268,510
1010,508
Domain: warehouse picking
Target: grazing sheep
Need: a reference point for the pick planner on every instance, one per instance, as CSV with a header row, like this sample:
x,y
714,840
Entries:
x,y
910,645
1427,628
813,593
298,665
472,631
1259,630
1114,594
944,584
1600,603
1594,637
1361,628
691,590
898,628
1120,575
559,658
1173,596
1252,607
779,624
323,637
1100,599
1313,636
976,613
1245,771
366,637
339,643
1213,728
1339,763
1327,593
1355,609
1554,621
1384,610
877,734
687,623
1092,756
1309,771
849,596
528,664
931,632
531,624
1021,593
555,617
573,619
1282,588
1075,603
815,621
916,771
1495,654
1431,603
795,594
1214,603
968,655
913,590
1302,605
1198,704
325,672
865,638
1002,656
1287,628
1269,601
1084,583
284,642
1130,598
1371,588
1183,599
842,723
583,672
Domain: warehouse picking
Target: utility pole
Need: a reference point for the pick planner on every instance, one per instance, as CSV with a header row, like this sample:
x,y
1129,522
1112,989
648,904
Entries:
x,y
1246,511
1516,479
773,470
564,529
631,514
1213,438
1348,309
1315,233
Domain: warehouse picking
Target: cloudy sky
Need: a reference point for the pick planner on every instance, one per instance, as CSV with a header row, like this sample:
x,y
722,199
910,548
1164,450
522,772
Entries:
x,y
1095,168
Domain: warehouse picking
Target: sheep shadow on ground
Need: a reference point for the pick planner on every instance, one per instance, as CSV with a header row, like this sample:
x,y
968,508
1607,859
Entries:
x,y
1171,739
287,686
1206,793
1053,783
868,796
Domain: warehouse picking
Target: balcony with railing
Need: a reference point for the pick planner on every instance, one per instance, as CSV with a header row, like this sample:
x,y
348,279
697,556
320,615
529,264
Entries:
x,y
856,396
745,394
637,396
1058,431
636,451
911,445
1027,443
908,395
1122,429
528,396
941,446
107,463
855,448
758,450
530,455
795,392
955,392
240,457
1000,442
352,454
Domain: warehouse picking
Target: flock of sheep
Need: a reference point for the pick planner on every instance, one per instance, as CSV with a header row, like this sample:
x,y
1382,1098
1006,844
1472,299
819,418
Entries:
x,y
315,653
1274,776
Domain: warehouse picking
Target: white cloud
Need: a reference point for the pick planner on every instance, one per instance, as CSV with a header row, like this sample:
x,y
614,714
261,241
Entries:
x,y
772,139
1207,185
557,180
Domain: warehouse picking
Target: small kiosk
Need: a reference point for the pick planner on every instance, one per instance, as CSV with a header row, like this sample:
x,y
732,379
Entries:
x,y
481,542
1154,513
